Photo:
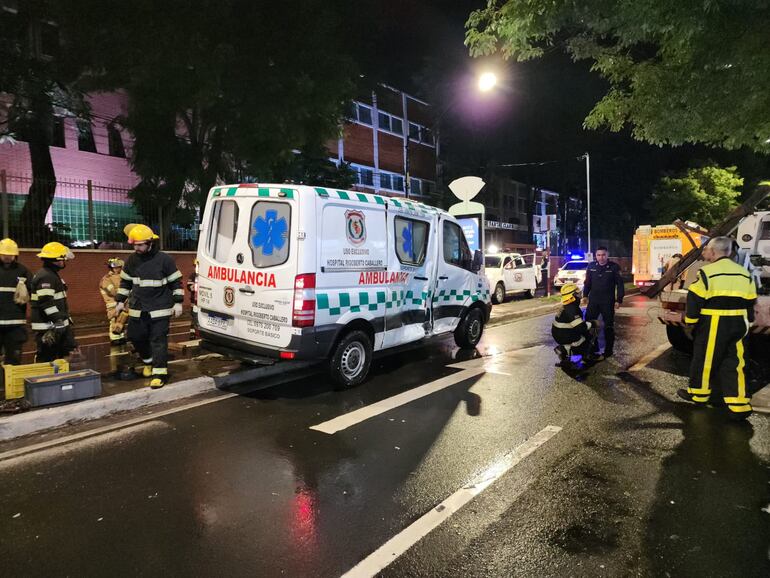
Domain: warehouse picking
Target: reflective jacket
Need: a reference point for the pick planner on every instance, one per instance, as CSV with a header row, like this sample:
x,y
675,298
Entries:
x,y
603,283
10,312
108,287
722,288
48,295
569,328
151,283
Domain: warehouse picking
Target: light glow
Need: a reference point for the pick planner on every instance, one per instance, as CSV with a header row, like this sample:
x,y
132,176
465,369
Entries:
x,y
487,81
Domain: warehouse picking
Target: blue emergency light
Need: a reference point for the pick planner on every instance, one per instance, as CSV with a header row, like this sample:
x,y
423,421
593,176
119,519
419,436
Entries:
x,y
576,256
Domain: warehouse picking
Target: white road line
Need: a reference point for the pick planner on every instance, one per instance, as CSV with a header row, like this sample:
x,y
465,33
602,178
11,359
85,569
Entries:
x,y
355,417
401,542
649,357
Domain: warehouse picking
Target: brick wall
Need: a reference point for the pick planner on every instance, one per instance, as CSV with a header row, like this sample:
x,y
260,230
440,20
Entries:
x,y
83,274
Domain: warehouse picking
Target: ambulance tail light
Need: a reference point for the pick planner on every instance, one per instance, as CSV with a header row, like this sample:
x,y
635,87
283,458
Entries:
x,y
303,314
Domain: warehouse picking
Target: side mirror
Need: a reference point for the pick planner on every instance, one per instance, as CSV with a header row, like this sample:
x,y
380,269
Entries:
x,y
478,261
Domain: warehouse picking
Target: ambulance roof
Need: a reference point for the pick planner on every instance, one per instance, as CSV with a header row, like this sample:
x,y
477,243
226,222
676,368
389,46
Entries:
x,y
289,191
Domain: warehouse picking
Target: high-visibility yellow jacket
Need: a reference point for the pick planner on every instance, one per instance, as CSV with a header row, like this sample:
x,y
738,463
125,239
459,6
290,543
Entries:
x,y
722,288
108,287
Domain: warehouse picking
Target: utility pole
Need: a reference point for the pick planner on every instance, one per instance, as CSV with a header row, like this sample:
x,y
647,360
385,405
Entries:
x,y
588,195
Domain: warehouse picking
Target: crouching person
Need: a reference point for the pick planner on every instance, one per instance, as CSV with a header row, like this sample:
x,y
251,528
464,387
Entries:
x,y
50,312
573,335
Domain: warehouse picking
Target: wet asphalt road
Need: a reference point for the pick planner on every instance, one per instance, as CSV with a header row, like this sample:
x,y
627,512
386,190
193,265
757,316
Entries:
x,y
634,484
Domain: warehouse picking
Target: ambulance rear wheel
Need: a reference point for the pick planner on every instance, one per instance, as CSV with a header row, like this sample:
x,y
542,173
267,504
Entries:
x,y
352,358
468,332
499,295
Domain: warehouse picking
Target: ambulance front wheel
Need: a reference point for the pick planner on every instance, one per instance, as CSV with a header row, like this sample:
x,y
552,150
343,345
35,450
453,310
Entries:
x,y
349,365
468,332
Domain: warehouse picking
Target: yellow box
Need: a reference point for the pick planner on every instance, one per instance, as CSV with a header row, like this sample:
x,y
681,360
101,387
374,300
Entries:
x,y
15,374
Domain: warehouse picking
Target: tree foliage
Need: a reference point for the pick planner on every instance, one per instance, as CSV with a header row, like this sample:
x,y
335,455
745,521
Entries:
x,y
704,194
679,71
220,90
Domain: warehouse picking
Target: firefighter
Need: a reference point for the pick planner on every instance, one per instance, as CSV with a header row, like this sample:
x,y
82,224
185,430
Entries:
x,y
108,287
14,296
154,284
720,308
50,312
603,288
573,335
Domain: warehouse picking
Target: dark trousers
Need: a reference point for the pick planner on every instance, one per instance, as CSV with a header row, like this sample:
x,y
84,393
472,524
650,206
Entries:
x,y
718,362
12,338
150,340
605,309
64,345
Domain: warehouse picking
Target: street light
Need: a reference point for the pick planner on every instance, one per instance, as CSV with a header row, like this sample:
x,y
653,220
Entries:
x,y
487,81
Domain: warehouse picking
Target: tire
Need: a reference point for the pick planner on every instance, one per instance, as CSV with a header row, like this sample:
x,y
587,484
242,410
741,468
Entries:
x,y
469,331
678,339
498,296
530,293
349,364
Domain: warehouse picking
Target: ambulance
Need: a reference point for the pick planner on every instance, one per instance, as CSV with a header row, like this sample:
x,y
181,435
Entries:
x,y
297,272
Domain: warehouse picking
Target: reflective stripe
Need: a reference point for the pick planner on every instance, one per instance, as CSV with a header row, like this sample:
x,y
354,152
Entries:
x,y
705,384
739,408
110,287
570,325
743,294
724,312
698,290
741,374
112,305
44,292
174,276
123,291
150,282
12,321
690,319
160,371
47,325
7,289
195,309
161,313
178,292
51,310
60,295
134,313
576,343
126,276
147,361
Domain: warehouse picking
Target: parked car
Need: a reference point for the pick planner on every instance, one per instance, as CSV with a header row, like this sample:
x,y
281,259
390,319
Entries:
x,y
571,272
509,273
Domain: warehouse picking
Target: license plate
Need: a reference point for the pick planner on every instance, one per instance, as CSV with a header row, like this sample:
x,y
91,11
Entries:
x,y
218,322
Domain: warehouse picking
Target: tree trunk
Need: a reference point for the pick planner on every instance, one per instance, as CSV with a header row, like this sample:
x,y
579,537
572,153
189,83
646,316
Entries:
x,y
40,196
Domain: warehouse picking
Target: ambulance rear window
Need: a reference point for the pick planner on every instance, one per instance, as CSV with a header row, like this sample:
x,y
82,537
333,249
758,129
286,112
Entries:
x,y
411,240
224,226
269,233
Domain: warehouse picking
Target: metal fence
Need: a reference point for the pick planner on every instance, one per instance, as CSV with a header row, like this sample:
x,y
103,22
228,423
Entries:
x,y
86,215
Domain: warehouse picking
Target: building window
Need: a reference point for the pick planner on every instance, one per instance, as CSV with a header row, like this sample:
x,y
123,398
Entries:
x,y
415,186
85,137
115,142
396,125
360,113
385,181
57,132
390,123
414,131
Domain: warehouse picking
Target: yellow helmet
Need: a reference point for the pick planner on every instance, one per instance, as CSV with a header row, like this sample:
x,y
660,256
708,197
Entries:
x,y
114,262
55,250
9,247
568,293
139,233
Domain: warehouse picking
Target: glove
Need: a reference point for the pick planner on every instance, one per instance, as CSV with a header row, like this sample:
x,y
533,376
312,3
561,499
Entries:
x,y
120,307
49,337
177,309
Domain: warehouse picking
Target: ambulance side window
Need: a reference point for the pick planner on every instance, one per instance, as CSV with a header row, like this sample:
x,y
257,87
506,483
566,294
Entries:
x,y
411,240
224,226
269,233
456,251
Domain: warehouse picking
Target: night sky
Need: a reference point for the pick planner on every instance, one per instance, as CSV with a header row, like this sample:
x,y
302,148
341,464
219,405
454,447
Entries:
x,y
535,116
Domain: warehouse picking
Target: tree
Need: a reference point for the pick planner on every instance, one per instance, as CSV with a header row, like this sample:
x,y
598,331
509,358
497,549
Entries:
x,y
679,71
41,80
220,89
704,194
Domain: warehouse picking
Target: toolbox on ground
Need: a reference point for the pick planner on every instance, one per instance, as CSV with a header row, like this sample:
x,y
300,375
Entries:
x,y
16,374
63,387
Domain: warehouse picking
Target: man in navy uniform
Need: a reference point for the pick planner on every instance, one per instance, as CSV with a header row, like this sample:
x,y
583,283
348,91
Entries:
x,y
603,289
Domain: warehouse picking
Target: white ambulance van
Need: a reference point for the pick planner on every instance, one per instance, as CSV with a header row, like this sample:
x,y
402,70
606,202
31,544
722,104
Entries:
x,y
301,272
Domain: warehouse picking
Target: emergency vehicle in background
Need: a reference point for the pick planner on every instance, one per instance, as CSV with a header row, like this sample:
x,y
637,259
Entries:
x,y
751,230
313,273
653,247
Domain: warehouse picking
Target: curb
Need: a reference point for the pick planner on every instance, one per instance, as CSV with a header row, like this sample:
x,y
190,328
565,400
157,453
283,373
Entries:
x,y
523,313
15,426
